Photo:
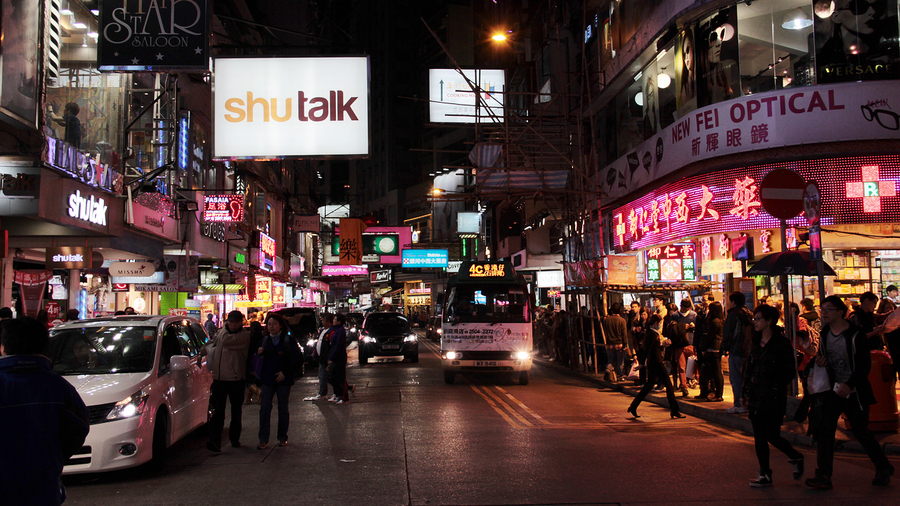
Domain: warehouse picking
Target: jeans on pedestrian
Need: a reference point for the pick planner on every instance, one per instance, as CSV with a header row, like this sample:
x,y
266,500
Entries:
x,y
858,417
337,376
232,391
713,360
766,431
735,376
265,411
323,379
617,359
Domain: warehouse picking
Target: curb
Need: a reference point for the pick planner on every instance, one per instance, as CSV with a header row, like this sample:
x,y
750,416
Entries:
x,y
716,416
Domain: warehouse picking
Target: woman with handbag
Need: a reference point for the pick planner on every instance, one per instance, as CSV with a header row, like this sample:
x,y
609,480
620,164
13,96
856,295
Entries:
x,y
656,368
281,359
767,376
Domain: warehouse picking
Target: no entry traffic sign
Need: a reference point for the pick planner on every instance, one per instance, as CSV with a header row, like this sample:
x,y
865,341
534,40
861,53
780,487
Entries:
x,y
781,193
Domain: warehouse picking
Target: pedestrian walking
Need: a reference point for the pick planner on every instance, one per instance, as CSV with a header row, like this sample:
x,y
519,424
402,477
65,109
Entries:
x,y
43,420
654,343
210,325
767,376
844,352
712,355
227,359
685,323
735,345
281,358
615,327
320,354
253,390
337,361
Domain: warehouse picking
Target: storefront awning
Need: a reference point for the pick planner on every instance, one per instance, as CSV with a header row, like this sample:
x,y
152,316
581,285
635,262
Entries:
x,y
230,289
393,293
669,287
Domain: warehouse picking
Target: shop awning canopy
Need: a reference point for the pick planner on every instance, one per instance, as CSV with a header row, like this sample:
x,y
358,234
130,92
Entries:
x,y
393,293
668,287
230,289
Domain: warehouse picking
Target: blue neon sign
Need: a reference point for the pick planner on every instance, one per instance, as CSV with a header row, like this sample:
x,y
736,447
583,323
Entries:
x,y
413,258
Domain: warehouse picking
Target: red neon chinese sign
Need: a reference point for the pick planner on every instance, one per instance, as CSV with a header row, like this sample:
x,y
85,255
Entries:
x,y
728,201
223,208
266,244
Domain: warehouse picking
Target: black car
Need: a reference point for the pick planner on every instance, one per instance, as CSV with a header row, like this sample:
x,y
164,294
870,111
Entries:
x,y
304,326
387,335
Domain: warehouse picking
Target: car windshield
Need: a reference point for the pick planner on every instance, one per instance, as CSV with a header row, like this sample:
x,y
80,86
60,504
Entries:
x,y
102,350
488,304
382,324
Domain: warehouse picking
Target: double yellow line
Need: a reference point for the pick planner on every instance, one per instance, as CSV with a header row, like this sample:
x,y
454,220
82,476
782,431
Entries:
x,y
516,413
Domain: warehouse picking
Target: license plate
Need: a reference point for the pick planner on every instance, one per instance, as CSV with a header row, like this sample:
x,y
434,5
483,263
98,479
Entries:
x,y
481,363
391,347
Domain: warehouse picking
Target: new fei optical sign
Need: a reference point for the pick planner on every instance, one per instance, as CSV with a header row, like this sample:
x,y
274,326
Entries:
x,y
281,107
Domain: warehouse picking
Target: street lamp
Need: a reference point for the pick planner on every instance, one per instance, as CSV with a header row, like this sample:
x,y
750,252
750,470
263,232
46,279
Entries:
x,y
498,37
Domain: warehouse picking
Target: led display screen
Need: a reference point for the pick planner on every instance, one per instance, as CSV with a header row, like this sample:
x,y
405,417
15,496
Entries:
x,y
854,190
672,263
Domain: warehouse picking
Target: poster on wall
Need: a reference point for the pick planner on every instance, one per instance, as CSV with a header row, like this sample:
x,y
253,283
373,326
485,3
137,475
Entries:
x,y
717,50
19,54
686,71
856,40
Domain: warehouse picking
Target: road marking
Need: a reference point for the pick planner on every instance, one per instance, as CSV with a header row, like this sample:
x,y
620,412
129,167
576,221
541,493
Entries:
x,y
523,406
497,408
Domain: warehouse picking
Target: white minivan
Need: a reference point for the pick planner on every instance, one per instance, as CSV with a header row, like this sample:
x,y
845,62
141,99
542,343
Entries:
x,y
143,379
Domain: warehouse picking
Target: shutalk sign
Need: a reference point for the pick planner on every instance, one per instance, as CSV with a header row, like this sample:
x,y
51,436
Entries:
x,y
281,107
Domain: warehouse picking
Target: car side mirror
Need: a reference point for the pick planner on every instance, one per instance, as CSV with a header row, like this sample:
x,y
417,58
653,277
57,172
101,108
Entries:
x,y
180,363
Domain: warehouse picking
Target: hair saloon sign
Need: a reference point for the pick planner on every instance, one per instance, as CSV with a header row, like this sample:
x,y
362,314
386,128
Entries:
x,y
854,190
276,107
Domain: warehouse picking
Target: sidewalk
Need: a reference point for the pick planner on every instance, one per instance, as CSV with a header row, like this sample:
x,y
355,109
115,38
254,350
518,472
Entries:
x,y
715,412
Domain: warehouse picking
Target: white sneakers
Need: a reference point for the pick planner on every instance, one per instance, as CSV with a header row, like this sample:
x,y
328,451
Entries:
x,y
736,410
316,397
333,398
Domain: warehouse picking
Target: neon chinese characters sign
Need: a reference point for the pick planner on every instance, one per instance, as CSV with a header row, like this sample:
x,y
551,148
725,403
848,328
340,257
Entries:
x,y
223,208
855,190
675,262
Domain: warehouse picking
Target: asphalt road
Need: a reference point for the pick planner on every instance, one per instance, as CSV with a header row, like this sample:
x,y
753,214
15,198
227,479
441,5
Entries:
x,y
408,438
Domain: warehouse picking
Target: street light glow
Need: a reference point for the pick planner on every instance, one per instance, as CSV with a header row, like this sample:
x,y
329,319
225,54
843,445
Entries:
x,y
499,37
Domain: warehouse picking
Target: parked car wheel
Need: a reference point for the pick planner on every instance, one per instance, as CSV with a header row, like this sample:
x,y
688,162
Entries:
x,y
160,434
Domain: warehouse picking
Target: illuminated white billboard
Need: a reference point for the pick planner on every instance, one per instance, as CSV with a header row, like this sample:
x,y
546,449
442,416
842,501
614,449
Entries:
x,y
284,107
452,99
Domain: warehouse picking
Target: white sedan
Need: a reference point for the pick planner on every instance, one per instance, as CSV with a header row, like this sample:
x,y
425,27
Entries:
x,y
144,381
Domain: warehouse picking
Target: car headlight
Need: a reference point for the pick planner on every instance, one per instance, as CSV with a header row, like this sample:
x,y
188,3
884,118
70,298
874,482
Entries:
x,y
311,343
453,355
411,338
368,339
521,355
438,330
353,329
132,405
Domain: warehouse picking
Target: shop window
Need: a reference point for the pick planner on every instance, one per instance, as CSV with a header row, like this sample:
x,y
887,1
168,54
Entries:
x,y
774,39
856,40
83,108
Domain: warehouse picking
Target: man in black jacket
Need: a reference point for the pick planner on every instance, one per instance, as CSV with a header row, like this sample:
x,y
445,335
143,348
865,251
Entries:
x,y
844,351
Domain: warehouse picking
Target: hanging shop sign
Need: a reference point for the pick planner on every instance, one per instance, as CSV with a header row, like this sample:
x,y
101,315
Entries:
x,y
344,270
261,296
150,220
622,269
321,110
223,208
403,234
452,98
96,172
306,224
672,263
266,255
855,190
720,266
136,35
413,258
155,278
468,223
20,181
132,269
788,117
373,245
380,276
68,257
315,284
550,279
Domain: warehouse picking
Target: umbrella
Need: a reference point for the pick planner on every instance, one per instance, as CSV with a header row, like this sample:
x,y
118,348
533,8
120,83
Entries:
x,y
794,263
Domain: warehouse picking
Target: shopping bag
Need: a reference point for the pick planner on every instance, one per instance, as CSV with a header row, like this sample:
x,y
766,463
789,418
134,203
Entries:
x,y
818,380
691,368
634,373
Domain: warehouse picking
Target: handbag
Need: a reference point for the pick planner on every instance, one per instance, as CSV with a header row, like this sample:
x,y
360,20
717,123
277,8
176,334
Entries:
x,y
818,380
691,368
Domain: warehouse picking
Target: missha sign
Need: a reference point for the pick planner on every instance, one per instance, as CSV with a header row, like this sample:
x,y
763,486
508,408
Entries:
x,y
321,109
